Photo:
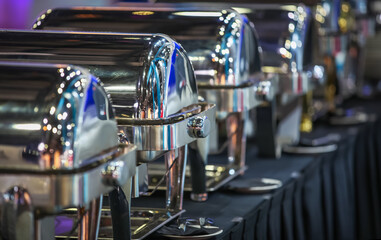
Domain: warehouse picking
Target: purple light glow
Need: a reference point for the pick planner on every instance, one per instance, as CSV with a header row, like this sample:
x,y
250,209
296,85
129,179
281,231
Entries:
x,y
63,225
14,14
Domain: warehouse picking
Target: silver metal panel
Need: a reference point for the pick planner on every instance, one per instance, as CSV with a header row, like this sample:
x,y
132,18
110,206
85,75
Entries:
x,y
52,117
148,77
58,136
221,44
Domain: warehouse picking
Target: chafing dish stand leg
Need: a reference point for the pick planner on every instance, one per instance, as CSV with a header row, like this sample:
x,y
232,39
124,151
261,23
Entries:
x,y
237,154
235,129
145,221
89,224
268,146
176,178
306,126
220,174
120,214
198,153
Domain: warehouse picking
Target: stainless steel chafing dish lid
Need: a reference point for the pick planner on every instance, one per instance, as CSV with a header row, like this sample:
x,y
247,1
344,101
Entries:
x,y
221,44
283,35
148,76
53,117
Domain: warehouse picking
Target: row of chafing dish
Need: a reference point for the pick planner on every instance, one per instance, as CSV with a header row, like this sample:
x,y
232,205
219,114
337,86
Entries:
x,y
101,102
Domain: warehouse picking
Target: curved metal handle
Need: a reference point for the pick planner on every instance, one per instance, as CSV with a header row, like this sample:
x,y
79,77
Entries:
x,y
198,127
264,91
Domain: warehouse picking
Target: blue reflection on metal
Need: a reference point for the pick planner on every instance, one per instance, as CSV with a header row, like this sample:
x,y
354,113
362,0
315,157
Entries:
x,y
152,73
89,101
224,40
172,75
62,108
171,85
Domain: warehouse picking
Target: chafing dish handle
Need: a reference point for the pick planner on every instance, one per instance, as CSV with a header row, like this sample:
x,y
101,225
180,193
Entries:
x,y
266,131
198,175
199,127
120,214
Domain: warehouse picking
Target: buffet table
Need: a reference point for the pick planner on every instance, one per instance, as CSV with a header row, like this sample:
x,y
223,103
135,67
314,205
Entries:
x,y
329,196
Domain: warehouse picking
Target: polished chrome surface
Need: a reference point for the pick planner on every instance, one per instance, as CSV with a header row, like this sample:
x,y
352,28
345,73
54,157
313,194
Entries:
x,y
90,221
148,76
235,131
71,188
235,141
57,130
218,43
151,218
283,47
199,127
175,178
140,181
113,174
291,54
292,68
230,100
216,176
221,44
289,48
52,118
167,133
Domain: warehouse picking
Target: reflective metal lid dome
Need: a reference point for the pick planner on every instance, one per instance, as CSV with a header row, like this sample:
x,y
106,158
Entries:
x,y
52,117
148,76
221,44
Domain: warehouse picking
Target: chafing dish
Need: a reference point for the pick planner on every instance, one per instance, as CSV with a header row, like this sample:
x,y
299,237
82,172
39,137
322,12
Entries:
x,y
294,71
58,148
291,59
154,94
223,48
289,55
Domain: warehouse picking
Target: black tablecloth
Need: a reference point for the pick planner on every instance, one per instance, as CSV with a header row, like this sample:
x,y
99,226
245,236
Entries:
x,y
335,195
